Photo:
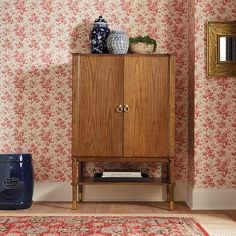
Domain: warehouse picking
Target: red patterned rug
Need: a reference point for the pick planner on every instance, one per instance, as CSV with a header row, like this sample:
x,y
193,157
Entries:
x,y
100,225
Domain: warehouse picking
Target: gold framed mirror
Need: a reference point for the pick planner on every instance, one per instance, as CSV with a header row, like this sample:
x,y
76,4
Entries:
x,y
221,48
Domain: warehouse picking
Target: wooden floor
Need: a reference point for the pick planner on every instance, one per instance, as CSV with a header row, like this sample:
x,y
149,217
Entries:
x,y
39,208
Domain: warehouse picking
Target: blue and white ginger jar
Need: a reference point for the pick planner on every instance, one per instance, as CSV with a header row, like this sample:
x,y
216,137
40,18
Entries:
x,y
99,36
117,42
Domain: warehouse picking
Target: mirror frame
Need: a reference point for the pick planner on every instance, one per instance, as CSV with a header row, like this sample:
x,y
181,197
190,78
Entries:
x,y
215,30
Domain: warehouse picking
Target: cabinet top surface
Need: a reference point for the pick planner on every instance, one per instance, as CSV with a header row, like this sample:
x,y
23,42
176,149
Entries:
x,y
121,55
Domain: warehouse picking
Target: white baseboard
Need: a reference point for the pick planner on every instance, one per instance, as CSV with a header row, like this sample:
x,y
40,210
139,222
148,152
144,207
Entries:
x,y
52,191
189,198
44,191
211,199
197,199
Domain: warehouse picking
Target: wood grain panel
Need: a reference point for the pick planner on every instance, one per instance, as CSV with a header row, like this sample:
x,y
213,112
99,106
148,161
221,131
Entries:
x,y
146,91
75,104
172,107
100,129
121,159
151,181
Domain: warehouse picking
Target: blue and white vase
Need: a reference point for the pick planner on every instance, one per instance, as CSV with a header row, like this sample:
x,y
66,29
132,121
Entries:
x,y
117,42
99,36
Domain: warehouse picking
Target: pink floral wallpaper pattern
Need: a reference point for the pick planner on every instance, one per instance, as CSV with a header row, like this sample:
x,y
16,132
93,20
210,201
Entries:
x,y
191,73
35,81
215,106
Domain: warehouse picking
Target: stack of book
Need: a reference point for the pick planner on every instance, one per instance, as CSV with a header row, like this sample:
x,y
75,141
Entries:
x,y
106,174
121,176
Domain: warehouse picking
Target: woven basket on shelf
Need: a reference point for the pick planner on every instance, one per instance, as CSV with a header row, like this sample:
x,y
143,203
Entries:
x,y
141,48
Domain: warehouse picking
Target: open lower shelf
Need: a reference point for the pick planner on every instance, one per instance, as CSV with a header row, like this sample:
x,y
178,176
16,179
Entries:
x,y
151,181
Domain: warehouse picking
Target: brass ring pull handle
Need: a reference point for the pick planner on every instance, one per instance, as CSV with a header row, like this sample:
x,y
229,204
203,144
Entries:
x,y
119,108
126,108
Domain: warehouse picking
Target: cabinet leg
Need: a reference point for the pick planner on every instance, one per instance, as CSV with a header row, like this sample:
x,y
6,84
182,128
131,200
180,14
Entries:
x,y
74,205
170,191
167,193
171,196
80,167
74,183
80,193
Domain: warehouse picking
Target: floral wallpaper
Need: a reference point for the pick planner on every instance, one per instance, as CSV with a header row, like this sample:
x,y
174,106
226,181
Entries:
x,y
191,73
215,107
35,82
35,72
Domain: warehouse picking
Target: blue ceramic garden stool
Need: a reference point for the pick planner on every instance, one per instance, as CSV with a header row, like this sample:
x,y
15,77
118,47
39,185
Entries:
x,y
16,181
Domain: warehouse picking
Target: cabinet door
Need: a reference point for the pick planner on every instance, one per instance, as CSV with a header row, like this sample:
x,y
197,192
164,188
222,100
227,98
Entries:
x,y
100,91
146,92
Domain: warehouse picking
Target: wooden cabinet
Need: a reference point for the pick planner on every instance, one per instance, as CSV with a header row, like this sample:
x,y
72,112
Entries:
x,y
146,89
98,90
123,110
